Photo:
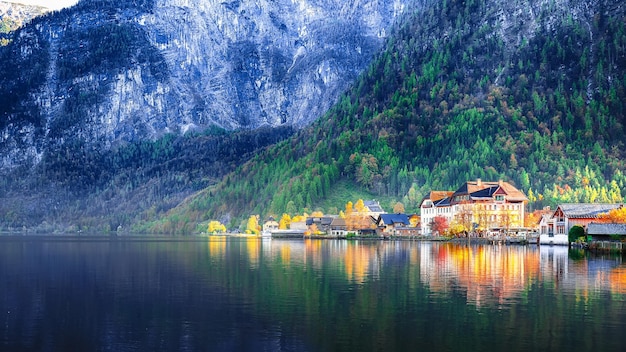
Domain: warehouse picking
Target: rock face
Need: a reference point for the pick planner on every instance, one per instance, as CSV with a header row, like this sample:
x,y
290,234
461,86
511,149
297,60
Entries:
x,y
102,72
13,15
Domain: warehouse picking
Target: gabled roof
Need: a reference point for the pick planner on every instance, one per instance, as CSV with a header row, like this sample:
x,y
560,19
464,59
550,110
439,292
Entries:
x,y
324,220
445,202
486,193
388,219
606,229
585,210
500,187
438,195
338,222
373,206
435,196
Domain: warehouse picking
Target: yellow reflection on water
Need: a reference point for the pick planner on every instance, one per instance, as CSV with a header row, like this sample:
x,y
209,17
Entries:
x,y
253,250
617,280
488,274
357,261
217,246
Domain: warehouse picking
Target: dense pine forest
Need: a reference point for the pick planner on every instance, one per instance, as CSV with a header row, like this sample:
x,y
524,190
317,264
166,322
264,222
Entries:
x,y
448,101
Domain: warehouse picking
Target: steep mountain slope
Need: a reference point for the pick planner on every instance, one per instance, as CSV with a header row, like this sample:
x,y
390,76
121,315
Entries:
x,y
13,15
533,92
107,72
94,100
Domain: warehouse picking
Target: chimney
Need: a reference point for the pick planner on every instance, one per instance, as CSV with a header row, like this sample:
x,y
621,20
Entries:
x,y
500,182
479,182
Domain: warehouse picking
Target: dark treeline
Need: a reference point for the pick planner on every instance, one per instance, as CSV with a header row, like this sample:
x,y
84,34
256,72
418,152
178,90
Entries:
x,y
93,189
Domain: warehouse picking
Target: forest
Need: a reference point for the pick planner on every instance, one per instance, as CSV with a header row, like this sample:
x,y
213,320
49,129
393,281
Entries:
x,y
547,116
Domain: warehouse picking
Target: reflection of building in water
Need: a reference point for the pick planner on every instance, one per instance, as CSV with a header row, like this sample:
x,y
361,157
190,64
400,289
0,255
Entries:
x,y
554,263
288,251
580,273
617,280
487,274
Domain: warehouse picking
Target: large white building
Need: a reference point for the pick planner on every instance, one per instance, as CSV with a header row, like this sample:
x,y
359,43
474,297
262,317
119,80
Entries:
x,y
476,205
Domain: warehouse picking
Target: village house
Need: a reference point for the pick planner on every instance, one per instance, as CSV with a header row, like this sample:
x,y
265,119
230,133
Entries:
x,y
390,223
319,224
606,232
554,229
338,227
270,225
476,205
374,208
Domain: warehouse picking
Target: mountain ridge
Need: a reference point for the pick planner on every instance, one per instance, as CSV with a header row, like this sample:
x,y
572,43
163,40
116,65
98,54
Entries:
x,y
110,73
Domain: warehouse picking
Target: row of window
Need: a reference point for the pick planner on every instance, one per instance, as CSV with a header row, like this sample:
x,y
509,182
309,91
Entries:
x,y
484,207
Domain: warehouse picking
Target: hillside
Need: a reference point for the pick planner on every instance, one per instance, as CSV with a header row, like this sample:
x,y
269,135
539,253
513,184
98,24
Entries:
x,y
113,112
532,92
104,73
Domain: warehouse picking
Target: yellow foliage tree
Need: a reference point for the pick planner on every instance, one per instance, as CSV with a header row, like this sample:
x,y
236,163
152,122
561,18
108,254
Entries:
x,y
615,216
313,230
317,214
253,225
299,218
216,227
284,222
349,209
360,207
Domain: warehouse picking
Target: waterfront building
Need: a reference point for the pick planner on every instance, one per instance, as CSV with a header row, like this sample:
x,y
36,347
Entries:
x,y
554,229
390,223
477,206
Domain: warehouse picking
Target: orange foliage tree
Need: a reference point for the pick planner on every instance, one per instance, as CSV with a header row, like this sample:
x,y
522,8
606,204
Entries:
x,y
439,225
615,216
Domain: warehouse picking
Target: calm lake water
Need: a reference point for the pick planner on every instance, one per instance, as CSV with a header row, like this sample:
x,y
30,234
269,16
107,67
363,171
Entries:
x,y
238,294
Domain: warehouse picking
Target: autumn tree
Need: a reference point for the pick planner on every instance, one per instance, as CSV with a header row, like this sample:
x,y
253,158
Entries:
x,y
464,218
349,209
284,222
356,216
398,208
253,225
360,207
439,225
314,230
216,227
615,216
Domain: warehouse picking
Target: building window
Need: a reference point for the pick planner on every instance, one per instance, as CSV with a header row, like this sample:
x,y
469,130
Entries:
x,y
499,198
560,229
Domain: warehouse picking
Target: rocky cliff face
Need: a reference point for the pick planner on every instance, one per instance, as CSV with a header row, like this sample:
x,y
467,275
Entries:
x,y
13,15
101,73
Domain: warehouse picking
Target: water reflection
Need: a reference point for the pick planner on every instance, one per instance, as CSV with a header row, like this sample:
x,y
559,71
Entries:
x,y
252,294
493,275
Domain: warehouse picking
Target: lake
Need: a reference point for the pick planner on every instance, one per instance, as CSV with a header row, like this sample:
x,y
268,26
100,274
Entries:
x,y
249,294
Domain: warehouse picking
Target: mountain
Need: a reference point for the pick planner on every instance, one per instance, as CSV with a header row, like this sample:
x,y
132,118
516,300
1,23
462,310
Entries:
x,y
105,73
13,15
112,112
532,92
